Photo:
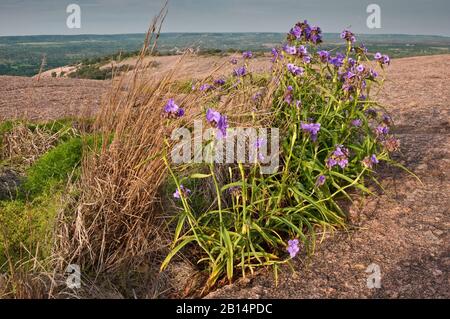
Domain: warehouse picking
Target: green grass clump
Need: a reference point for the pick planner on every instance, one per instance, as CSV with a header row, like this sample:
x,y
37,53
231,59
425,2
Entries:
x,y
26,228
54,167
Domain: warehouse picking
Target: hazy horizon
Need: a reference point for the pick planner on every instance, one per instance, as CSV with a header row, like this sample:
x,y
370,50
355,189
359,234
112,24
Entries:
x,y
113,17
237,32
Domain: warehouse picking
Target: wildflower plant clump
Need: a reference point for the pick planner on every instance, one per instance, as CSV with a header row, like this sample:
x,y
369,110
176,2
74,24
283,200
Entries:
x,y
333,135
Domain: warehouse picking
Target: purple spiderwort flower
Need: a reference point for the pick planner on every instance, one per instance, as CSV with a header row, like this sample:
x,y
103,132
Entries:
x,y
293,248
242,71
386,119
205,87
172,109
212,116
184,192
219,82
288,97
357,122
275,55
233,61
348,36
370,161
382,59
381,130
290,49
218,121
338,157
324,56
312,128
296,70
247,55
321,180
338,60
360,68
296,31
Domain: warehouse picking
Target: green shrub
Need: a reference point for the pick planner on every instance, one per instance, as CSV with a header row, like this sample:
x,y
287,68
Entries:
x,y
332,138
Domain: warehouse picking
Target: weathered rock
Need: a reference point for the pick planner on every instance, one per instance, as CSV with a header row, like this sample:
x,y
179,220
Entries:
x,y
9,184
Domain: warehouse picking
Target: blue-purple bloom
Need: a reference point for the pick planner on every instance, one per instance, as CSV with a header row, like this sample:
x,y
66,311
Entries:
x,y
293,248
382,59
173,109
296,70
370,161
381,130
360,68
357,122
288,95
242,71
290,49
338,157
218,121
324,56
312,128
275,55
296,31
205,87
234,61
247,54
338,60
219,82
184,192
348,35
321,180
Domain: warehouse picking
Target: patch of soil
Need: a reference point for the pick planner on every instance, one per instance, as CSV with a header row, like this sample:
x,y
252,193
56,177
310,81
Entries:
x,y
49,98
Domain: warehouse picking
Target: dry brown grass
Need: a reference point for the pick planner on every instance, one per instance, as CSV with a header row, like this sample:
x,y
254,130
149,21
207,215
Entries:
x,y
26,145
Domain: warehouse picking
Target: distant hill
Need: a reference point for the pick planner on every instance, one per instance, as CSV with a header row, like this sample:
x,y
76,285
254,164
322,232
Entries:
x,y
23,55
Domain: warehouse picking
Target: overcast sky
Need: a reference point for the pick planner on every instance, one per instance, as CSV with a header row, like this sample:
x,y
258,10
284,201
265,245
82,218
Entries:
x,y
26,17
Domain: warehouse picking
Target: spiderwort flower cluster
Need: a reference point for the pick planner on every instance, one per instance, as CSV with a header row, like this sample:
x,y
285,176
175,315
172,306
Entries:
x,y
338,157
295,70
293,247
382,58
312,129
247,55
332,99
218,121
173,110
240,72
302,31
348,36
